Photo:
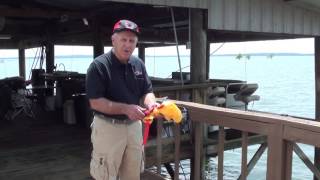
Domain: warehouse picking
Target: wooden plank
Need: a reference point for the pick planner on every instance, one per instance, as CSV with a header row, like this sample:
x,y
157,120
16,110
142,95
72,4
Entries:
x,y
198,138
244,170
288,160
306,160
147,175
22,63
159,144
301,135
177,151
184,87
179,3
211,114
317,94
257,156
220,152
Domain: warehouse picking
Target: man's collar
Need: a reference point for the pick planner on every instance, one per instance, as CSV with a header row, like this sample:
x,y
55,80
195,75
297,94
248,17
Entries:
x,y
117,61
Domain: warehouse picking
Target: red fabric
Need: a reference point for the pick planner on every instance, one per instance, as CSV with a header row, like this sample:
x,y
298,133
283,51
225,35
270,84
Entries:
x,y
146,132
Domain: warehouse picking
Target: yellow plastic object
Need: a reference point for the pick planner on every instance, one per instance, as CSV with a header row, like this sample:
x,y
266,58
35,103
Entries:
x,y
168,109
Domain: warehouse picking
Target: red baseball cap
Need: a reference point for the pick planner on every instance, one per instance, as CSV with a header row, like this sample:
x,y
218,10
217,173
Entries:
x,y
126,25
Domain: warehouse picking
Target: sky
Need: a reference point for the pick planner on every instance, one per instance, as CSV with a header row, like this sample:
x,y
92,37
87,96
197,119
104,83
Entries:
x,y
305,45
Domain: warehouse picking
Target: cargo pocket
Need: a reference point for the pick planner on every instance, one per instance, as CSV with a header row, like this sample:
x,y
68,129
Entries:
x,y
98,167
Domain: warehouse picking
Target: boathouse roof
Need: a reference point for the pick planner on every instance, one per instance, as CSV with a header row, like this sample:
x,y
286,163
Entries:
x,y
28,23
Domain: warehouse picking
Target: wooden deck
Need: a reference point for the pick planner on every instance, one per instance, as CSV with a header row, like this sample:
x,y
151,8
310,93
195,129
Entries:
x,y
43,149
46,149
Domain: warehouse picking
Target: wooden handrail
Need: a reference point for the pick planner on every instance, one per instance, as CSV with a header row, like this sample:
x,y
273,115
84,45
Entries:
x,y
280,131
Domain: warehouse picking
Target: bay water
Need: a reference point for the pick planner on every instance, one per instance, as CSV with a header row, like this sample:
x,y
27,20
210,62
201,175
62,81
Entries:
x,y
286,86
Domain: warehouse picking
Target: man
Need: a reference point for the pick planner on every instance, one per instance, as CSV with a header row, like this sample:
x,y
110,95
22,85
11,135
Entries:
x,y
116,84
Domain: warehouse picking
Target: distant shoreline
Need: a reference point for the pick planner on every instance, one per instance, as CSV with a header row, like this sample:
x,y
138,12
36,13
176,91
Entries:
x,y
226,55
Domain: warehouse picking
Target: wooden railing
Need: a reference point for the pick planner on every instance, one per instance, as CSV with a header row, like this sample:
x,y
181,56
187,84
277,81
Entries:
x,y
282,135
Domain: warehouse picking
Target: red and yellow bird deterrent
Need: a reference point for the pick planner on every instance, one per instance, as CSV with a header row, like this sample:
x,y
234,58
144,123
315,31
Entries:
x,y
168,109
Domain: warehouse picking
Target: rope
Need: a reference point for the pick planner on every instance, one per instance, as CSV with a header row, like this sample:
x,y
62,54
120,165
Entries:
x,y
176,39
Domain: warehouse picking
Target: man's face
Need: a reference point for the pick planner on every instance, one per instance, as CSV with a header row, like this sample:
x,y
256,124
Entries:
x,y
124,44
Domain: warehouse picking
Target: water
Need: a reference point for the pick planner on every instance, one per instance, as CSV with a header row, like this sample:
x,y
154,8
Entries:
x,y
286,86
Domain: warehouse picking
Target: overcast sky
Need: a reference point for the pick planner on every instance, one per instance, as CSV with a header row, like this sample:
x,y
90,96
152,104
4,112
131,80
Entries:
x,y
275,46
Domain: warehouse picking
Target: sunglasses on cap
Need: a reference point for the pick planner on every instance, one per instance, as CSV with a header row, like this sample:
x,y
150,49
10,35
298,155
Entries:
x,y
126,25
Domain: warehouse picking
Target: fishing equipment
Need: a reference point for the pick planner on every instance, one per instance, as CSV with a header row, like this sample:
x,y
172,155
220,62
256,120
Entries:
x,y
168,109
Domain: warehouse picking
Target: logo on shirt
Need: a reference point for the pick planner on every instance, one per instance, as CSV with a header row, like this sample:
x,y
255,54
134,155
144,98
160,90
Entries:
x,y
138,73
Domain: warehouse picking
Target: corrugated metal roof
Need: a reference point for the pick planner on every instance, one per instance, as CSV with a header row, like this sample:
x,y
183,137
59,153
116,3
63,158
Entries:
x,y
203,4
267,16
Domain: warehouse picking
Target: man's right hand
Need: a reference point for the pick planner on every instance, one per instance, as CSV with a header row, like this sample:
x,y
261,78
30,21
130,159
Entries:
x,y
134,112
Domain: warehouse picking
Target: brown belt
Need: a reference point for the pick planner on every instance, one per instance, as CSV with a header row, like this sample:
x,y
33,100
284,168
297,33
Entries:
x,y
114,120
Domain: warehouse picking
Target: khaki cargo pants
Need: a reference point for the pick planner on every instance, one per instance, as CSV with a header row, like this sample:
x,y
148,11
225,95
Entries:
x,y
117,150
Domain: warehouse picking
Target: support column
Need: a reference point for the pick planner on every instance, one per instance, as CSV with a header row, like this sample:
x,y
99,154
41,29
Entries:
x,y
208,61
198,75
49,57
22,63
50,63
317,95
98,47
142,52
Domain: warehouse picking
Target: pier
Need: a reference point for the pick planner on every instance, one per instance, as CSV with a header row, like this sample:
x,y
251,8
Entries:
x,y
40,143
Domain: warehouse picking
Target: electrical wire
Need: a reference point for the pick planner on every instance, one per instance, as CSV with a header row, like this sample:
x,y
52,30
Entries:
x,y
214,51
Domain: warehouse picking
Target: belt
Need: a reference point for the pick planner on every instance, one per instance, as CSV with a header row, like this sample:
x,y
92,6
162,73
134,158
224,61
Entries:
x,y
114,120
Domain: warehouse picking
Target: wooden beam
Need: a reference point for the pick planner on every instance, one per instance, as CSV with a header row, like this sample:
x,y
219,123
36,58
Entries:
x,y
198,75
317,95
221,152
159,144
49,57
22,63
306,160
142,52
256,156
177,142
244,170
98,47
39,13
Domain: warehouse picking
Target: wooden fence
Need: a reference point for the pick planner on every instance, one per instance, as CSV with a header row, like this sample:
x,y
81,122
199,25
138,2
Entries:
x,y
282,134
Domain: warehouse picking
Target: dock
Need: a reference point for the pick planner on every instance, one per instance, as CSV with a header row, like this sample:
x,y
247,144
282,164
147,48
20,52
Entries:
x,y
51,145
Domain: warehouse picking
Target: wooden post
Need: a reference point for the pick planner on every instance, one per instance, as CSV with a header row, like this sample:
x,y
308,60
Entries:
x,y
244,159
277,152
50,63
142,52
22,63
198,75
159,144
49,57
98,47
317,95
208,61
220,152
177,141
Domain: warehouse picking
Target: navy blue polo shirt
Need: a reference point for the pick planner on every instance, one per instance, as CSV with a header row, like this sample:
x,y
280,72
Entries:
x,y
126,83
